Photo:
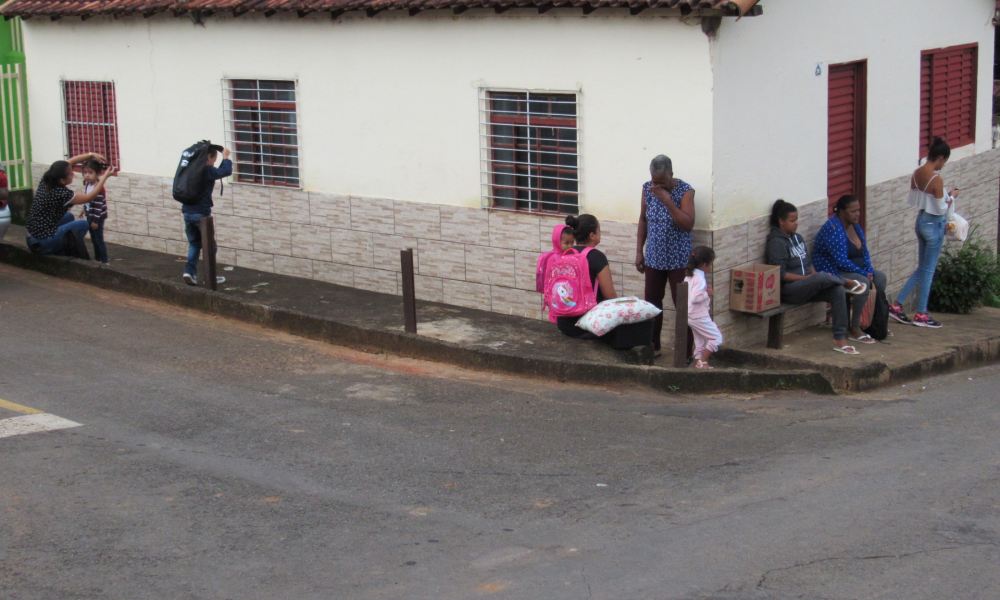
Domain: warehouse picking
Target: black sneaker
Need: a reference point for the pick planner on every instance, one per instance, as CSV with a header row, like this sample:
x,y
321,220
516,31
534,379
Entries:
x,y
896,312
925,320
190,279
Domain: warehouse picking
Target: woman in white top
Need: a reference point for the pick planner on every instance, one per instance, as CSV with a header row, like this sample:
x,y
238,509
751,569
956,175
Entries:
x,y
926,193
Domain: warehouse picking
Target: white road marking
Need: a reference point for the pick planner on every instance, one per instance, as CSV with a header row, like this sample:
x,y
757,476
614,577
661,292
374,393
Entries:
x,y
34,424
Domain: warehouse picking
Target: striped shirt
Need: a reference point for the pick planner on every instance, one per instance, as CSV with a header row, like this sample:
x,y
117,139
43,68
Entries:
x,y
96,209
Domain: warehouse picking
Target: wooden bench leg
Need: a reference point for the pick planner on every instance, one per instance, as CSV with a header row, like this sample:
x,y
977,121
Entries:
x,y
681,327
776,331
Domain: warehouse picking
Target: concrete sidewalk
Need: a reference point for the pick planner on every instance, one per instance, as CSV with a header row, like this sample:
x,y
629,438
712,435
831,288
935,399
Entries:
x,y
373,322
964,342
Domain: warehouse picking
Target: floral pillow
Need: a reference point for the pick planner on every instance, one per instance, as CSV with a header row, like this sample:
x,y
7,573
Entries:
x,y
611,313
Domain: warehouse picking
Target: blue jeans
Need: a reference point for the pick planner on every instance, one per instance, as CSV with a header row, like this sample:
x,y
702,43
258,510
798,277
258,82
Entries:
x,y
930,237
192,228
97,239
57,243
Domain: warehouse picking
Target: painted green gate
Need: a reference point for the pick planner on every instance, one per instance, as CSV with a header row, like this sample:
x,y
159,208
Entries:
x,y
15,151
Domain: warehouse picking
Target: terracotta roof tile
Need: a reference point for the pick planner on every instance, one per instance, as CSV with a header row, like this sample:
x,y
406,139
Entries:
x,y
88,8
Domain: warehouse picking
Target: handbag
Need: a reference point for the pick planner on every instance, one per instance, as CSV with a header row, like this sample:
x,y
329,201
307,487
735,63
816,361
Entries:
x,y
879,327
957,229
869,310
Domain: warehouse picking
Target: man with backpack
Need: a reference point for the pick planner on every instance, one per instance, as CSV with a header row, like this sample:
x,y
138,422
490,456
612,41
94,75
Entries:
x,y
193,187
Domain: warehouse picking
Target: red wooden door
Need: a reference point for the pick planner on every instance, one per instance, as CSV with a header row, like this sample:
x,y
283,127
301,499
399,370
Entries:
x,y
846,122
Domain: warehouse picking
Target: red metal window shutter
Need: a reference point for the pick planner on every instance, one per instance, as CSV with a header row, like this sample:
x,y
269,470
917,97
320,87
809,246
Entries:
x,y
841,132
846,132
91,119
948,96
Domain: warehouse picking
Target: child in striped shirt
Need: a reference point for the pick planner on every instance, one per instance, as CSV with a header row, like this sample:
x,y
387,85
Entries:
x,y
96,210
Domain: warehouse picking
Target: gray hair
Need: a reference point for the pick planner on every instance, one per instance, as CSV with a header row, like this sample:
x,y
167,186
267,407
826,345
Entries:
x,y
661,164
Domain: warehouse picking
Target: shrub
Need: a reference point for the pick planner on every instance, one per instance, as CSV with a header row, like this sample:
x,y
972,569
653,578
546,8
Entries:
x,y
966,277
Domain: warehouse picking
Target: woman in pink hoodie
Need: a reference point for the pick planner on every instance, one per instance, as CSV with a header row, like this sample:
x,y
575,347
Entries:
x,y
707,337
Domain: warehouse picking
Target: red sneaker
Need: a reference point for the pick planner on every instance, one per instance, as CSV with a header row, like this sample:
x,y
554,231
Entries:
x,y
896,312
925,320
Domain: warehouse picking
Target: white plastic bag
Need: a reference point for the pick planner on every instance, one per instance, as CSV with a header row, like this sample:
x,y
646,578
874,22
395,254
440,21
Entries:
x,y
957,229
611,313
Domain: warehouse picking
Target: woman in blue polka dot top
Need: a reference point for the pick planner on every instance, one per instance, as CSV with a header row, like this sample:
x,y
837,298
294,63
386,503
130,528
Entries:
x,y
841,249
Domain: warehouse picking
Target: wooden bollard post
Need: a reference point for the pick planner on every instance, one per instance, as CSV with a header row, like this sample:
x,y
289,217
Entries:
x,y
409,292
681,327
208,250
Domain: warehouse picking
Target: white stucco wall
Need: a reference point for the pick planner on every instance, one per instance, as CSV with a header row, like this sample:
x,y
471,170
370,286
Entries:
x,y
388,106
770,122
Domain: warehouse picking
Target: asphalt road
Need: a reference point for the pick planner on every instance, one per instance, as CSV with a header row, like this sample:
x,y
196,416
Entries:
x,y
216,460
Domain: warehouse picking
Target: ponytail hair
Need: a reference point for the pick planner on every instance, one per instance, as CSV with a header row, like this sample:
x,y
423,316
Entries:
x,y
780,211
939,149
57,172
582,227
700,257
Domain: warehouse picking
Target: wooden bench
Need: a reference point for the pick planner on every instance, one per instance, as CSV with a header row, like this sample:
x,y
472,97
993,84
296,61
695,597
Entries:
x,y
775,323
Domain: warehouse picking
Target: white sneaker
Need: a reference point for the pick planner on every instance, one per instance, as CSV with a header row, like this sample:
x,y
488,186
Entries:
x,y
190,279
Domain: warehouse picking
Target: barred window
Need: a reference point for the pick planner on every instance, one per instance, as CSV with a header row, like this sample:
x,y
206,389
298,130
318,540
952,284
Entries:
x,y
90,119
529,153
262,131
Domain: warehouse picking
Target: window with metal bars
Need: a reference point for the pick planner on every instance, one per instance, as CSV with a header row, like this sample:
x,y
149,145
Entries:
x,y
90,120
948,96
262,131
529,151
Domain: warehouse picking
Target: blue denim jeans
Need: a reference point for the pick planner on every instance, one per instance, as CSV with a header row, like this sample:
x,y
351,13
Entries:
x,y
97,239
192,228
57,243
930,237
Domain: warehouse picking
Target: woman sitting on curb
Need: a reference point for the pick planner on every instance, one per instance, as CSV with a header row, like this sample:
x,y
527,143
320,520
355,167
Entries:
x,y
841,249
49,219
800,283
587,233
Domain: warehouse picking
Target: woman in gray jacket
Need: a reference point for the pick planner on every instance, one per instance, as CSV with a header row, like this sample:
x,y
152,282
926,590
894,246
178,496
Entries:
x,y
800,283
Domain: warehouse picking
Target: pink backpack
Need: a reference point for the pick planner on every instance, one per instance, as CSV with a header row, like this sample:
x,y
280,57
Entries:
x,y
542,267
569,292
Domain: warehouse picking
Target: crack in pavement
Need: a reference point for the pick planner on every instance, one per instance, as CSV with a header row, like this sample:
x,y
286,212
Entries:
x,y
763,578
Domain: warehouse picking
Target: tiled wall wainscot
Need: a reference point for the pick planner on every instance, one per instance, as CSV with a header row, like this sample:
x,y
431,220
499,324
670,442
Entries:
x,y
486,260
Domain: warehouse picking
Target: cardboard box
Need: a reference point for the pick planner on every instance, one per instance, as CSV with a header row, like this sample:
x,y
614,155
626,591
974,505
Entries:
x,y
755,289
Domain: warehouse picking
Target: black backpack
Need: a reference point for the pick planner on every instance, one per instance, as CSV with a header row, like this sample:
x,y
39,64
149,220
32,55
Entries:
x,y
879,329
75,246
189,180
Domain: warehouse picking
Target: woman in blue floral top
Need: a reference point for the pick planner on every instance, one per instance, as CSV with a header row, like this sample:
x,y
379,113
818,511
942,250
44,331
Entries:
x,y
841,249
663,243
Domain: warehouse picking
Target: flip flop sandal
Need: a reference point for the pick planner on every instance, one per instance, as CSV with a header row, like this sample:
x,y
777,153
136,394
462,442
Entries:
x,y
865,339
702,365
846,350
859,288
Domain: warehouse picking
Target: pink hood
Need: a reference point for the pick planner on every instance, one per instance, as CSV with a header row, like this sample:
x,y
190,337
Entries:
x,y
557,232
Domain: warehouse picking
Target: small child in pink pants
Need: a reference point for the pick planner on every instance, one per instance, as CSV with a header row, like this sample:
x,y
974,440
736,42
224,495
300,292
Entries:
x,y
707,337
